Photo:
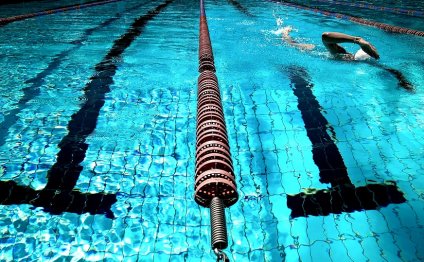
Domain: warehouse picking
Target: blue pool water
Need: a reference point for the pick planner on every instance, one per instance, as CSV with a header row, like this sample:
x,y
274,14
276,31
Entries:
x,y
406,13
138,147
25,7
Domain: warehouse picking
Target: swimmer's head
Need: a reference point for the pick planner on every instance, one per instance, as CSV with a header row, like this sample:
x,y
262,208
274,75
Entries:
x,y
361,55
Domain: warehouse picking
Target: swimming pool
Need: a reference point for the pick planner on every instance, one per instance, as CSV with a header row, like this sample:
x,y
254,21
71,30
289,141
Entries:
x,y
120,110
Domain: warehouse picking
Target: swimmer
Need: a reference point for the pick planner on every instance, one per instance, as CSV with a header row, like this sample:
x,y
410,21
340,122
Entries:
x,y
331,41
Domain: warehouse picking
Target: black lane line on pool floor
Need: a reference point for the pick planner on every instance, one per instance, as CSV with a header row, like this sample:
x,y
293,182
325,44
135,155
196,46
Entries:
x,y
342,196
241,8
33,90
58,196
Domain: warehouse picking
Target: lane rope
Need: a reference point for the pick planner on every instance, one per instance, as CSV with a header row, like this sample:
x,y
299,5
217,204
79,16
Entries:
x,y
8,20
215,184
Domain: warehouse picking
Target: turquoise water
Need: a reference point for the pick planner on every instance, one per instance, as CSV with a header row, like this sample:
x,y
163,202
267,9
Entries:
x,y
25,7
393,12
142,147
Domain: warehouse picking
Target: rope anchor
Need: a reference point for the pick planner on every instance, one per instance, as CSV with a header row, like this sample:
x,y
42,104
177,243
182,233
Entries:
x,y
220,255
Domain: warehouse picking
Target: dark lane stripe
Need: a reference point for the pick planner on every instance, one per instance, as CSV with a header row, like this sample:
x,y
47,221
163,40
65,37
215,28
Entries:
x,y
32,91
58,196
343,196
240,7
8,20
326,155
65,172
55,201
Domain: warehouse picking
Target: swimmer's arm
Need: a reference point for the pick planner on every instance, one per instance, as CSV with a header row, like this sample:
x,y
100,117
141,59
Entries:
x,y
332,39
368,48
337,38
285,34
301,46
287,38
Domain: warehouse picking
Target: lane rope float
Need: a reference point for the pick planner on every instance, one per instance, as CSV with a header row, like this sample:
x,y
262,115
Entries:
x,y
215,185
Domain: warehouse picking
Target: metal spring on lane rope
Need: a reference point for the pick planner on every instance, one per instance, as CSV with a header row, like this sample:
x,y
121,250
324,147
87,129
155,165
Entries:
x,y
218,226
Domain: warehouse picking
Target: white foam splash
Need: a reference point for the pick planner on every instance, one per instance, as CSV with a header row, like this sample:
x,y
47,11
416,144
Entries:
x,y
279,21
282,30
